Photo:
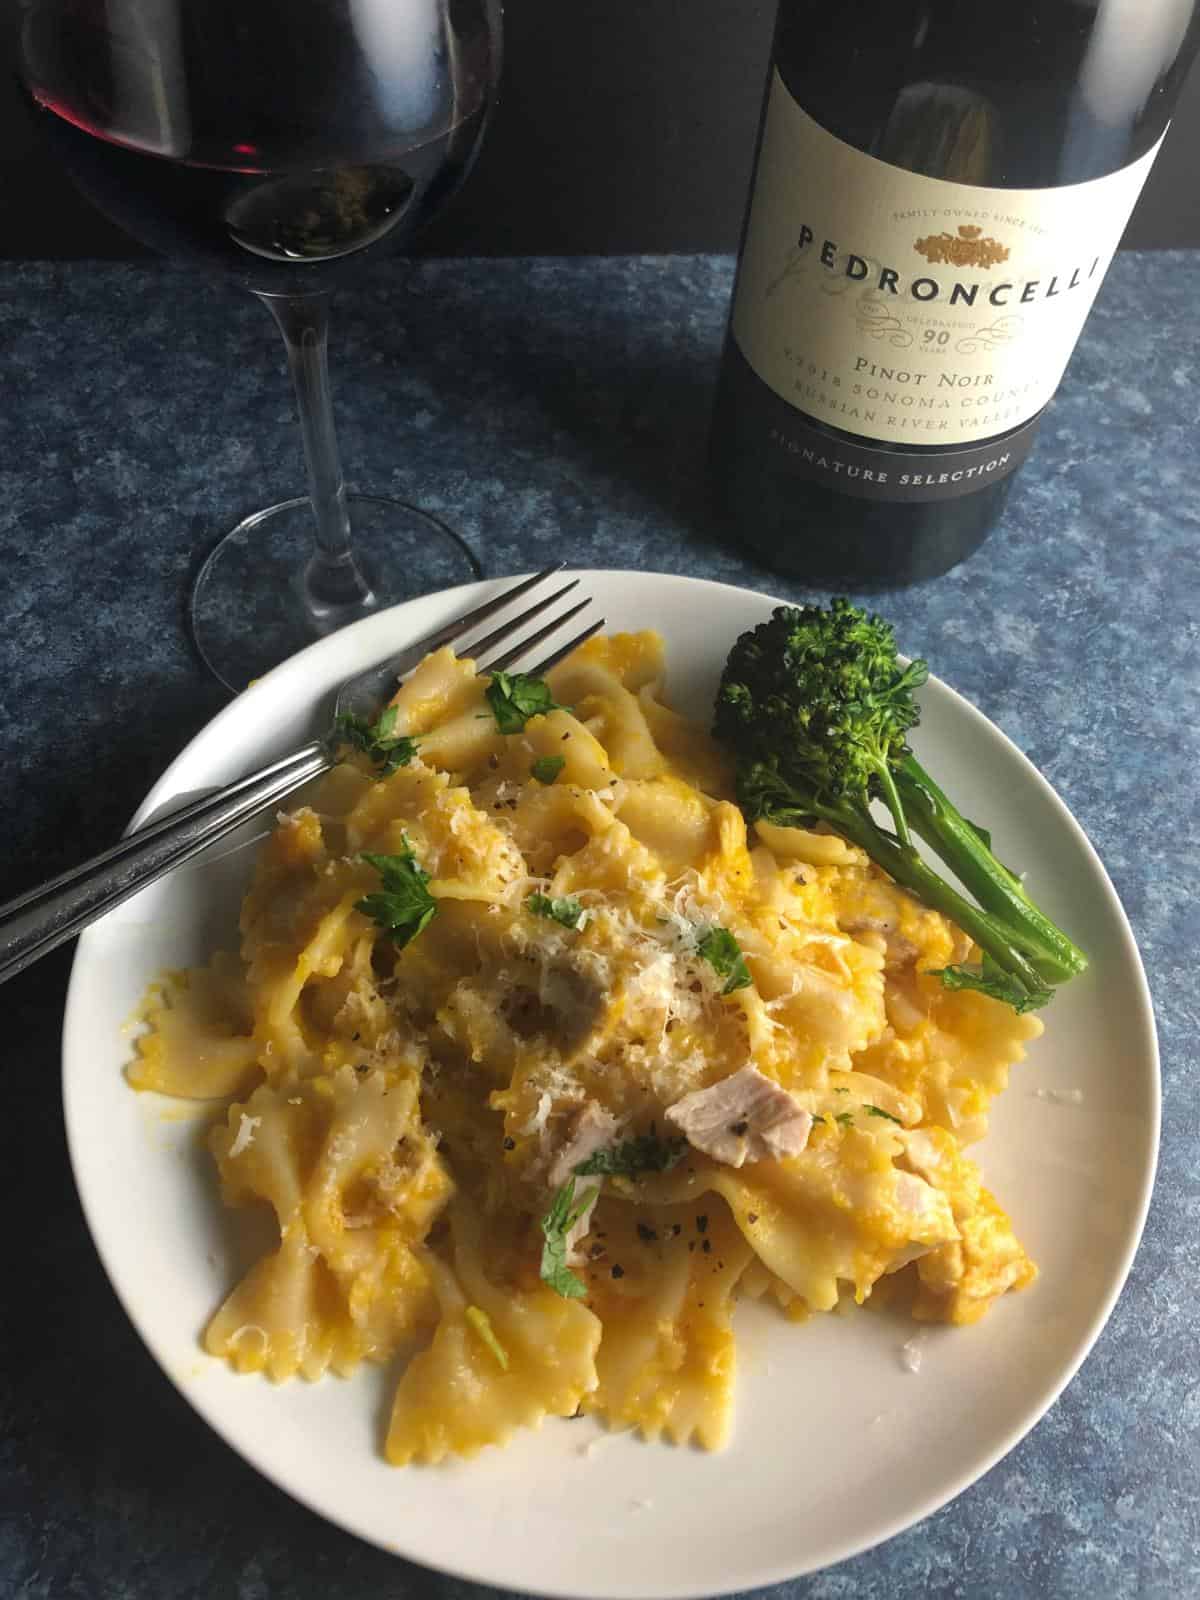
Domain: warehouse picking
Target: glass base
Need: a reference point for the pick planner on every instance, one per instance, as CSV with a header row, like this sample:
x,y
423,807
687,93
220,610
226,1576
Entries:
x,y
247,610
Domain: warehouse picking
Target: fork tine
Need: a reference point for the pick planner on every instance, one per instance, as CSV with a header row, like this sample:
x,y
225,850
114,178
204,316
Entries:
x,y
543,667
503,662
507,629
451,630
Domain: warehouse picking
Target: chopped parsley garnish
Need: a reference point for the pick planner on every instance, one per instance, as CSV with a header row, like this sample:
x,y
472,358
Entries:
x,y
818,1118
478,1319
724,955
845,1119
388,749
878,1111
546,768
403,906
565,911
515,697
565,1211
629,1157
841,1091
991,979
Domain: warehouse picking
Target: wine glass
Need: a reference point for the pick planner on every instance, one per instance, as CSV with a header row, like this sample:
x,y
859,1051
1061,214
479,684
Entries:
x,y
281,142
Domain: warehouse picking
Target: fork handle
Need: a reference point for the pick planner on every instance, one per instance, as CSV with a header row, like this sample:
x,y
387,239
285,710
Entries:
x,y
37,922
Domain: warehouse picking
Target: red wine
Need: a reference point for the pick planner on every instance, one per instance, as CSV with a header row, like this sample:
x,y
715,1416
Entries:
x,y
333,126
936,198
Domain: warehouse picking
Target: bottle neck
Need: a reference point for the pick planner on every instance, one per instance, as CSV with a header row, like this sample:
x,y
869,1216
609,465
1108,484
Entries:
x,y
1045,95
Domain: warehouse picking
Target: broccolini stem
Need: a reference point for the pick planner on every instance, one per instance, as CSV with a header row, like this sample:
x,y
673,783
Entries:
x,y
909,870
894,803
999,891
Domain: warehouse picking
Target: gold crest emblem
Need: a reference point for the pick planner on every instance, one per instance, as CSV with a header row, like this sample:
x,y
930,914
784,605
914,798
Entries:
x,y
968,249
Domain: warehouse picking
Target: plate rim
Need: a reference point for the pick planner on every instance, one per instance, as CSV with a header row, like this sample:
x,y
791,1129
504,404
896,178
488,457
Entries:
x,y
753,1577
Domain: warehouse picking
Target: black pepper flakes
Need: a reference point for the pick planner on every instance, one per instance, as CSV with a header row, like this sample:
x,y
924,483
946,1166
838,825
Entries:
x,y
618,1271
493,761
691,1245
676,1229
646,1233
510,1144
706,1246
740,1128
752,1216
702,1224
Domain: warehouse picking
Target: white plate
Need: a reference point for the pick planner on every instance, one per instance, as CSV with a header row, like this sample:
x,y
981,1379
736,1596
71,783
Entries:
x,y
837,1445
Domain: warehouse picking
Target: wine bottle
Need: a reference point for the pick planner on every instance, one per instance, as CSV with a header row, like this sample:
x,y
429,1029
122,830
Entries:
x,y
937,195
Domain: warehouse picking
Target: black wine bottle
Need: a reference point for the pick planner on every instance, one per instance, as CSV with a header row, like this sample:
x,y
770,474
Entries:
x,y
937,196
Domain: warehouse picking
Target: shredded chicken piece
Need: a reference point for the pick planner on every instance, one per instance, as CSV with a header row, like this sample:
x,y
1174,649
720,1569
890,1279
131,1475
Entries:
x,y
745,1117
591,1129
900,950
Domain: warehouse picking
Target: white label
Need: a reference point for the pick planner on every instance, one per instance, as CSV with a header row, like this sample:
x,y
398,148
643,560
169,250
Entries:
x,y
907,308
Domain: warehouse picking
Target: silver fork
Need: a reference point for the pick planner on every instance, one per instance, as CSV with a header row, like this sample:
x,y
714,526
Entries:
x,y
39,921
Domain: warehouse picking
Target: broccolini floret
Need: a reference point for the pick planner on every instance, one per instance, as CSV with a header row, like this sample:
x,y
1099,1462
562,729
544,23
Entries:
x,y
816,707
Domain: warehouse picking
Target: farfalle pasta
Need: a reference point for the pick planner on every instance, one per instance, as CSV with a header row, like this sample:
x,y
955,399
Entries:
x,y
539,1060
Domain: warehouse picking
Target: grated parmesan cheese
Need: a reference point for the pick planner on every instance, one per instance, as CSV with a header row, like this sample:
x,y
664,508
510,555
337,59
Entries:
x,y
1060,1097
541,1115
655,982
911,1353
245,1135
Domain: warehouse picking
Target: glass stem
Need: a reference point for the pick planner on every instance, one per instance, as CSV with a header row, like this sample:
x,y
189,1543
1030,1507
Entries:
x,y
335,588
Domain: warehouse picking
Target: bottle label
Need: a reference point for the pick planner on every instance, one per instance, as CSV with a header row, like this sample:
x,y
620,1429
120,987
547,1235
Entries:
x,y
865,471
913,310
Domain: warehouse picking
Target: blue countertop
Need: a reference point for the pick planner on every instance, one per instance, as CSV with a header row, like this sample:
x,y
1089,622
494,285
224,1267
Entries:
x,y
558,409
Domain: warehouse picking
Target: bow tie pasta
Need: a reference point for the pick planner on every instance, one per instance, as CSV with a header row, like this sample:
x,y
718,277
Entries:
x,y
539,1059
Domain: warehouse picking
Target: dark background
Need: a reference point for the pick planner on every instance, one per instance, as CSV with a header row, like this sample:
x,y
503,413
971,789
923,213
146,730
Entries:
x,y
623,126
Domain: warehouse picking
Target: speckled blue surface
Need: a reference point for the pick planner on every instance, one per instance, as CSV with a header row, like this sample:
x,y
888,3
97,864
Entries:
x,y
553,409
